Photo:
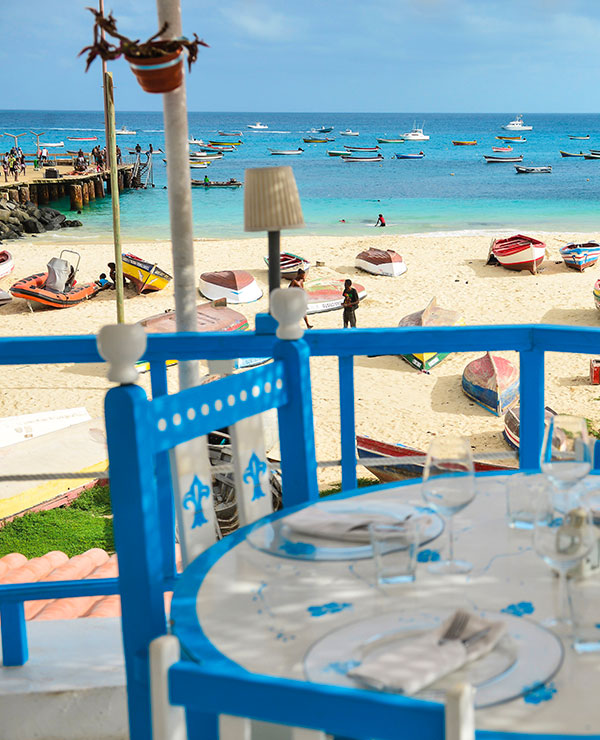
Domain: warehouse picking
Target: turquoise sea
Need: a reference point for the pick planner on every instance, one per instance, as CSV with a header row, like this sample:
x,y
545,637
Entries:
x,y
451,189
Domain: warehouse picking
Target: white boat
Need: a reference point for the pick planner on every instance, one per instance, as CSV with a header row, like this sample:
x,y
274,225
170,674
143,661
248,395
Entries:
x,y
205,156
415,135
380,262
258,126
197,165
286,152
533,170
349,132
517,125
237,286
195,141
52,143
124,131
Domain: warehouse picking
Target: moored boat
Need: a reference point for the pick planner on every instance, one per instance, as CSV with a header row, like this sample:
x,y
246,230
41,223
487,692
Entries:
x,y
230,133
197,165
492,382
581,138
361,148
192,140
580,256
317,140
225,143
517,125
145,276
286,152
502,148
124,131
380,262
415,135
82,138
494,159
570,154
510,138
351,158
237,286
419,155
290,264
432,315
322,130
465,143
7,263
258,126
51,144
391,141
337,153
348,132
214,184
518,252
521,170
326,295
592,155
205,156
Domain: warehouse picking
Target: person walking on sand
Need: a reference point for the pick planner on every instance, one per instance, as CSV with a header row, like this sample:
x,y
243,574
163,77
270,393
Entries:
x,y
298,282
380,220
350,304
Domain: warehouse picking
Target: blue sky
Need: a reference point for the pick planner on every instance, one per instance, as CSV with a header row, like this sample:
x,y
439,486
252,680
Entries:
x,y
316,55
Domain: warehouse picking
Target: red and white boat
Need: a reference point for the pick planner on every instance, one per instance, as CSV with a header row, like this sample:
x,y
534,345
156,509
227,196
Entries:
x,y
82,138
518,252
492,382
215,316
326,295
237,286
290,264
502,148
380,262
7,264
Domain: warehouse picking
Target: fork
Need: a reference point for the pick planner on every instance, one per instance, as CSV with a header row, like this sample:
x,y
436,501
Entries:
x,y
456,627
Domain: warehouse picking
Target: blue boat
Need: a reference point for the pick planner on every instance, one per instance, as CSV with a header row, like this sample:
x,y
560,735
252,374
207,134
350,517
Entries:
x,y
492,382
580,256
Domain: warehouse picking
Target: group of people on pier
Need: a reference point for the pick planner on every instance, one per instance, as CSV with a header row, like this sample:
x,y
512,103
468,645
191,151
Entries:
x,y
13,163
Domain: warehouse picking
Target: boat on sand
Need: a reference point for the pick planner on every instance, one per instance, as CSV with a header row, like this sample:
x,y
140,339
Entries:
x,y
432,315
580,256
518,252
290,264
380,262
5,298
326,295
213,316
7,263
492,382
145,276
237,286
512,424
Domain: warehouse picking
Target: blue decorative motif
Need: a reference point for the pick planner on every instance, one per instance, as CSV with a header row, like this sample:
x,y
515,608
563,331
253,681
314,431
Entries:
x,y
298,548
428,556
194,496
518,610
256,468
538,693
342,666
331,608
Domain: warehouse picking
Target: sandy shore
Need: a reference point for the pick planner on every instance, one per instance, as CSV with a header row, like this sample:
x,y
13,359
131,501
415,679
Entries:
x,y
393,402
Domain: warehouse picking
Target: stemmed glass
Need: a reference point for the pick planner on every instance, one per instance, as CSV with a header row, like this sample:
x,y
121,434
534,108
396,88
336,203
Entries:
x,y
449,486
563,535
566,451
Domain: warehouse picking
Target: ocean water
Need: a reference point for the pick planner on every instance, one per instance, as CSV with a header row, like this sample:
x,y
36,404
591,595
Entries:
x,y
451,189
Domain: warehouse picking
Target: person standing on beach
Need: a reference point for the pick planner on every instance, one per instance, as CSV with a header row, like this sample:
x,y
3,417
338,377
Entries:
x,y
350,304
298,282
5,166
380,220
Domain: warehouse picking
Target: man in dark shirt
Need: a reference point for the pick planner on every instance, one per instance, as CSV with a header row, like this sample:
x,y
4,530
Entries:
x,y
349,303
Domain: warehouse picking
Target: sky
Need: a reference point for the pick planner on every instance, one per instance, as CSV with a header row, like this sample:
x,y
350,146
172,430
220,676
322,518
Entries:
x,y
322,55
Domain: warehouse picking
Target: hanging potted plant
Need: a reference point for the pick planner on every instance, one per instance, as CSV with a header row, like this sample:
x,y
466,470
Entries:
x,y
157,63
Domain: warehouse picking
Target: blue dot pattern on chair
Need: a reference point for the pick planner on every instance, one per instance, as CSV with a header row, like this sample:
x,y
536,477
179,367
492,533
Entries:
x,y
520,609
194,496
331,608
538,694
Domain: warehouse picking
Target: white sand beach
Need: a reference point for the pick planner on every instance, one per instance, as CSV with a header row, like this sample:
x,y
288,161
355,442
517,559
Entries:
x,y
393,402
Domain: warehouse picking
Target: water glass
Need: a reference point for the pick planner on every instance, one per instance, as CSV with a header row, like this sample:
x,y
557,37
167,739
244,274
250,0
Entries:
x,y
566,450
522,492
395,549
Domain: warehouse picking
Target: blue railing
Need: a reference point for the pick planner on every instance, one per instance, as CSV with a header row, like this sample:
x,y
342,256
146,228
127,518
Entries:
x,y
531,341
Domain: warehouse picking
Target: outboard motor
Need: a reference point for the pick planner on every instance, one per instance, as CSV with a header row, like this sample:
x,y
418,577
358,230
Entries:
x,y
58,274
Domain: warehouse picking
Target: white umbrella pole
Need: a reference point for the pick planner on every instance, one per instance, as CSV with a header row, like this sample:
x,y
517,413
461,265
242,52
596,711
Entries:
x,y
180,197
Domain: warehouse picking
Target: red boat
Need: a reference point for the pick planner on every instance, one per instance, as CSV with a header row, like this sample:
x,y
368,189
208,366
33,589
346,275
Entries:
x,y
502,148
517,253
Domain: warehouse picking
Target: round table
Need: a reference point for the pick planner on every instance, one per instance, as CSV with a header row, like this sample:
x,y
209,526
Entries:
x,y
264,612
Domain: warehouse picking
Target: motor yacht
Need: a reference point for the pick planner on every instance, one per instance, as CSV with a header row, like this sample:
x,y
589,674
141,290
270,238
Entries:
x,y
517,125
258,126
415,135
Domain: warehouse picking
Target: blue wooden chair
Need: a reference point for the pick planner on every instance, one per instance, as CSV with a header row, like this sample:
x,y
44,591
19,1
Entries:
x,y
145,439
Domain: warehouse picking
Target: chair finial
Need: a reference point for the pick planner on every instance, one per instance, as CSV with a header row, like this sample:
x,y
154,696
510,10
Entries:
x,y
122,345
288,306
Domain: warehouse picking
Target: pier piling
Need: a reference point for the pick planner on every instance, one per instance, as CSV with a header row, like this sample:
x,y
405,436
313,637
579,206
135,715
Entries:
x,y
76,198
43,194
85,193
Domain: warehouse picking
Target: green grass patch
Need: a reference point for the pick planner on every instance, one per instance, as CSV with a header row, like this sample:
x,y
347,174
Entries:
x,y
361,483
73,529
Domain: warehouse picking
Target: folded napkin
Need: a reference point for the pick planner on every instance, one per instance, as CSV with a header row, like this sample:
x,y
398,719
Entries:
x,y
350,526
415,663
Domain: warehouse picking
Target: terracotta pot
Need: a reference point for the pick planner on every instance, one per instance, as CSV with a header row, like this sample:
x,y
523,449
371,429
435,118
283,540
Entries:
x,y
158,74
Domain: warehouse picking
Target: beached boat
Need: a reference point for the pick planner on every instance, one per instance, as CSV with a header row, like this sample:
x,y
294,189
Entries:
x,y
56,288
237,286
493,159
213,316
326,295
234,184
570,154
337,153
512,424
415,135
258,126
390,141
517,125
230,133
290,264
350,158
7,263
518,252
597,294
286,152
82,138
580,138
5,298
349,132
124,131
465,143
316,140
51,144
380,262
419,155
522,170
502,148
322,130
408,461
580,256
145,276
492,382
361,148
432,315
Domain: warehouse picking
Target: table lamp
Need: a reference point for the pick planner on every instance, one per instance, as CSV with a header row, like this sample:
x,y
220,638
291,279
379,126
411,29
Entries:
x,y
272,203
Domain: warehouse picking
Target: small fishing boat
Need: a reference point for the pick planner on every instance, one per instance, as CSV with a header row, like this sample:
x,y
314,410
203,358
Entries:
x,y
290,264
580,138
213,184
337,152
510,138
82,138
518,252
192,140
380,262
580,256
124,131
465,143
145,276
223,148
205,156
51,144
390,141
230,133
592,155
7,263
522,170
326,295
286,152
213,316
196,165
419,155
237,286
570,154
597,294
225,143
56,288
349,132
258,126
350,158
408,461
415,135
492,159
502,148
361,148
517,125
492,382
322,130
5,298
512,424
315,140
432,315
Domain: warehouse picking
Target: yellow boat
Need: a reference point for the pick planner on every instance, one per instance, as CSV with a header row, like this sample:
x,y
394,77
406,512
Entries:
x,y
465,143
146,277
509,138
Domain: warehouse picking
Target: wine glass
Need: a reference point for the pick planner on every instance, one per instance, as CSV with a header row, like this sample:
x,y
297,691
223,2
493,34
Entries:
x,y
449,486
566,451
563,535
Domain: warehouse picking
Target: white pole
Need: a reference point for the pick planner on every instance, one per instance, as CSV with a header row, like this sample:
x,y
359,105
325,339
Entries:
x,y
180,197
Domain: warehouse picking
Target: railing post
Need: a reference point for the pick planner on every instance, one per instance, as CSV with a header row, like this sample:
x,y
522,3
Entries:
x,y
531,422
347,422
14,634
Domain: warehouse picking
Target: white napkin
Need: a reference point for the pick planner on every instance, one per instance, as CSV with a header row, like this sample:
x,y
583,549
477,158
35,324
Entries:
x,y
414,664
351,526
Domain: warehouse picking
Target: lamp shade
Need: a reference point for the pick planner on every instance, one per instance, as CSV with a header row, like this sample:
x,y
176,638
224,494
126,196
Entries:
x,y
271,200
